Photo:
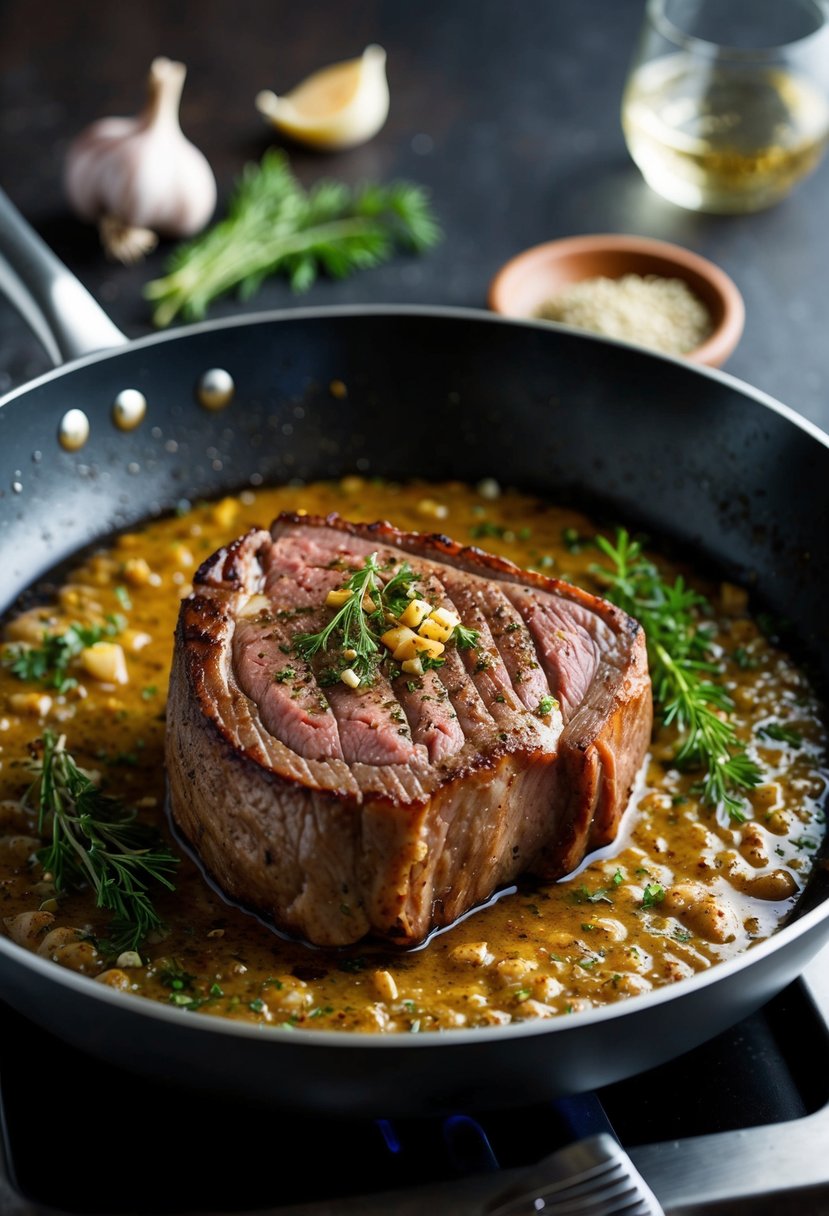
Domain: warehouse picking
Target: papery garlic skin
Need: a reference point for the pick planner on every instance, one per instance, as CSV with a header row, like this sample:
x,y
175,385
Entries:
x,y
140,178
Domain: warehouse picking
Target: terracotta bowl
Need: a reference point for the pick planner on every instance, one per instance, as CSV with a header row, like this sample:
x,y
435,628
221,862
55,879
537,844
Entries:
x,y
532,277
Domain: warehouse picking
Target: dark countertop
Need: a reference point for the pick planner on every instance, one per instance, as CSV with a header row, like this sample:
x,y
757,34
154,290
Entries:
x,y
509,113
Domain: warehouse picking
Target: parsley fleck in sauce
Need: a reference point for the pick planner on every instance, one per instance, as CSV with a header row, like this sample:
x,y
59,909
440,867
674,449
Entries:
x,y
685,886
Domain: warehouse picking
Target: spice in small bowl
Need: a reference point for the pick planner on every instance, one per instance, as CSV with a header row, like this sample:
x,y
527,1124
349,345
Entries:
x,y
651,310
632,289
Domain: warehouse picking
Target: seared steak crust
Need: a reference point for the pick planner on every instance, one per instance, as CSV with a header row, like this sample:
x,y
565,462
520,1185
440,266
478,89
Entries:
x,y
393,810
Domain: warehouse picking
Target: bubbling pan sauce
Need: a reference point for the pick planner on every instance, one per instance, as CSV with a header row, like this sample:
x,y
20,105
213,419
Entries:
x,y
682,888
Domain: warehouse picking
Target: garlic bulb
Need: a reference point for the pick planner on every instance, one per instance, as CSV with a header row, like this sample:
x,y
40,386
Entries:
x,y
141,178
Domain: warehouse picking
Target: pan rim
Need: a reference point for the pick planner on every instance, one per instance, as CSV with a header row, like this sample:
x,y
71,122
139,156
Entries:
x,y
447,312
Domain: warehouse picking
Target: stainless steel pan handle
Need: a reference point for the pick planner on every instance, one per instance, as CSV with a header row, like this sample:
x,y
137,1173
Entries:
x,y
55,305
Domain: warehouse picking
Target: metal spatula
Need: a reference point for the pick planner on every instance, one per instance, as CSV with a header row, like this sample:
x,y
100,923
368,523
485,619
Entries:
x,y
592,1177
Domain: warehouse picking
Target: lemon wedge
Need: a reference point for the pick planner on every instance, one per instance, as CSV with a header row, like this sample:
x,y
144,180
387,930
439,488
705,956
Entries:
x,y
337,106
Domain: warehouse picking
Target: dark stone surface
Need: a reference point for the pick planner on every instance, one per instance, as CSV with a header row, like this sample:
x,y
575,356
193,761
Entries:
x,y
508,112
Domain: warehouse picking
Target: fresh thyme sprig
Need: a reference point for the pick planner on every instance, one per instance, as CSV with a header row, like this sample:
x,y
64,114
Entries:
x,y
274,226
49,662
351,623
679,649
94,840
356,629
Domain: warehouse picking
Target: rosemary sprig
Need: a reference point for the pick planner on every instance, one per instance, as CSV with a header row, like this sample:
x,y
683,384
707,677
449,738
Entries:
x,y
94,840
679,648
273,226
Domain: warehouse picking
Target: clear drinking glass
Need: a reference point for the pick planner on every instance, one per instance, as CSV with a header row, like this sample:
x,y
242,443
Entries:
x,y
726,105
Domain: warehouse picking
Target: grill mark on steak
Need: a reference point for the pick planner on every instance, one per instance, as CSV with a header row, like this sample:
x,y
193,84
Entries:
x,y
332,850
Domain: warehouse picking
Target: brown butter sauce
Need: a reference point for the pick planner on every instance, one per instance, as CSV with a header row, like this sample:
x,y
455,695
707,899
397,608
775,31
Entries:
x,y
542,951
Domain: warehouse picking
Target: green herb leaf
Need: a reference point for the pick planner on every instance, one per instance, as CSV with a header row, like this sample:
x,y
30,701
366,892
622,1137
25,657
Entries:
x,y
350,624
781,734
652,895
123,597
487,528
273,226
396,590
681,668
465,638
49,663
94,840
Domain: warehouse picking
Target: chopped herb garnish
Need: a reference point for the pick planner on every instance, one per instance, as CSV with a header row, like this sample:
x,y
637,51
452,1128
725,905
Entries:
x,y
583,895
678,653
353,965
149,692
286,674
781,734
123,597
744,660
174,976
652,895
95,840
487,528
49,662
396,590
465,638
256,1005
573,541
545,706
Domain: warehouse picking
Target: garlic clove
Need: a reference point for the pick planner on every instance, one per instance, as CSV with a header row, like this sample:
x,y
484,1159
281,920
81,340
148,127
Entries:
x,y
338,106
140,178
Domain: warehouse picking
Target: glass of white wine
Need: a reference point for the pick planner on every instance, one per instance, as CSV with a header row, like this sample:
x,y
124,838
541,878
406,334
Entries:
x,y
726,106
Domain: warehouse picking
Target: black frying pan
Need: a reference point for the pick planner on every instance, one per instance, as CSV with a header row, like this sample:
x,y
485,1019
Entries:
x,y
693,456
